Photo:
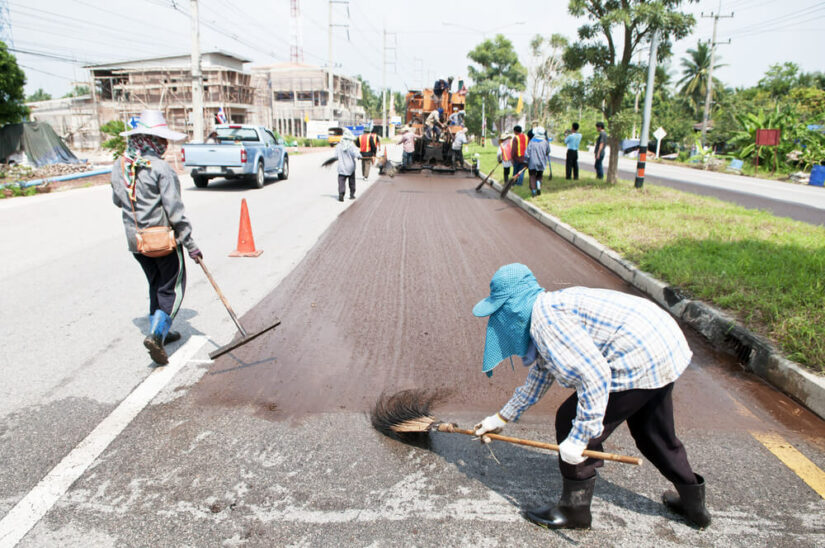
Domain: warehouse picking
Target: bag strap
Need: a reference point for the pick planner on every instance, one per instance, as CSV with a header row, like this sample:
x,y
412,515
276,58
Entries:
x,y
132,202
131,196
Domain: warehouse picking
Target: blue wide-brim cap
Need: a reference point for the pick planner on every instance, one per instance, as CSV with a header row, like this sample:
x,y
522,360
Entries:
x,y
513,290
486,307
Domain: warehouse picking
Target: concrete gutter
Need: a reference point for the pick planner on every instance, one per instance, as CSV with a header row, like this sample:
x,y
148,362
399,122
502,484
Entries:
x,y
756,353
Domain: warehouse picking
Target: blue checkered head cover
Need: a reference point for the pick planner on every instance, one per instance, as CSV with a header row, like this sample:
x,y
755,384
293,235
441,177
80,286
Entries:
x,y
513,290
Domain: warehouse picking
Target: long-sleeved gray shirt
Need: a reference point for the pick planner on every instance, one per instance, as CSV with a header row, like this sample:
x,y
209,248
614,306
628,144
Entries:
x,y
157,201
347,154
538,154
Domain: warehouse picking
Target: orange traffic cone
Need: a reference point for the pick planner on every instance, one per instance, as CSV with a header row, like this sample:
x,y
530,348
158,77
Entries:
x,y
246,243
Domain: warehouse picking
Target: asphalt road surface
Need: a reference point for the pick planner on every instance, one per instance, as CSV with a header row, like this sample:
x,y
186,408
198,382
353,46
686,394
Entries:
x,y
271,445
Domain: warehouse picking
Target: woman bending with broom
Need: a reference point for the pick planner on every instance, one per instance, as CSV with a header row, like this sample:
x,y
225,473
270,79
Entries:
x,y
621,354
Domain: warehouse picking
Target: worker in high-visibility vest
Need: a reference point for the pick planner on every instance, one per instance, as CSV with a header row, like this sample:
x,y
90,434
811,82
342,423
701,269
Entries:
x,y
519,150
368,144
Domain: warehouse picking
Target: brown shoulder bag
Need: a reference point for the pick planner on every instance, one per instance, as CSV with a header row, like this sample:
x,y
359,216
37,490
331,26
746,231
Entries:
x,y
153,241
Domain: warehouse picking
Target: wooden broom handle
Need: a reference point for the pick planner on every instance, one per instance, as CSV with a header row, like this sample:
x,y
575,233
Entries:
x,y
443,427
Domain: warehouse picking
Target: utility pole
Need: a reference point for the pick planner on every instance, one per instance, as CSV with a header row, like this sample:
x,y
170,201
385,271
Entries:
x,y
329,67
651,76
709,92
483,124
330,83
197,77
384,90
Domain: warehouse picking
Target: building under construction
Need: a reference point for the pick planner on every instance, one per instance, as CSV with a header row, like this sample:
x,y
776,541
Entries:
x,y
287,95
124,89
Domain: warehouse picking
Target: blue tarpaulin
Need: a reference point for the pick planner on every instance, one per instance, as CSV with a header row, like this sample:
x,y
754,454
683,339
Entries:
x,y
38,141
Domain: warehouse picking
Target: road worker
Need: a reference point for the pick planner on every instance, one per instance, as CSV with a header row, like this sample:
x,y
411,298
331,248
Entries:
x,y
621,354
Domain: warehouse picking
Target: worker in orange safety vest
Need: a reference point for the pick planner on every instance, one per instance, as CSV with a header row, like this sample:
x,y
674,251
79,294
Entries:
x,y
368,144
519,151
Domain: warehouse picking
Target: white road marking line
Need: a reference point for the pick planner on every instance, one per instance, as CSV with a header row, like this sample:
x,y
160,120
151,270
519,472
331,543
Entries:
x,y
31,508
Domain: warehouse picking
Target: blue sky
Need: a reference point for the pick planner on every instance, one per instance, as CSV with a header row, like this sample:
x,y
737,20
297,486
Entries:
x,y
432,37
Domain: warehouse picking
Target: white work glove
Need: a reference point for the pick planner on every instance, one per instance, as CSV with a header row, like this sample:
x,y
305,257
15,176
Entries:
x,y
492,424
570,451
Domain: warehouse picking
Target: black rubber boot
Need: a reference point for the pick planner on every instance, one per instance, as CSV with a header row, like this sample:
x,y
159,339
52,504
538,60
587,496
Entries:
x,y
573,509
340,196
154,344
171,337
689,501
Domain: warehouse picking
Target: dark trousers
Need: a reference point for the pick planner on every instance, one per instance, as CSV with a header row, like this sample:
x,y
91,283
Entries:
x,y
518,166
599,168
535,179
572,164
342,183
457,157
506,174
167,280
649,416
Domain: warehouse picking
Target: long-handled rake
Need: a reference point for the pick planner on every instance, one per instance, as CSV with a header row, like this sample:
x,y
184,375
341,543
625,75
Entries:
x,y
407,417
510,183
481,184
245,336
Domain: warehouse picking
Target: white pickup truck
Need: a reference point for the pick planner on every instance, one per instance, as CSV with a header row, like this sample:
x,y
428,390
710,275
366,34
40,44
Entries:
x,y
239,151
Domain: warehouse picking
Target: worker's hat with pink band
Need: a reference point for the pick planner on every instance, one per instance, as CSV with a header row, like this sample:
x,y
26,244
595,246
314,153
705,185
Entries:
x,y
152,122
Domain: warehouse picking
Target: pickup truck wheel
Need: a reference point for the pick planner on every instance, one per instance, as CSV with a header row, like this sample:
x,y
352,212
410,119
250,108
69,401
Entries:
x,y
200,181
284,174
260,176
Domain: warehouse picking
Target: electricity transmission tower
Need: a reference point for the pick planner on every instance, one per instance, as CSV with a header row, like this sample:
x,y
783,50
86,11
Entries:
x,y
5,24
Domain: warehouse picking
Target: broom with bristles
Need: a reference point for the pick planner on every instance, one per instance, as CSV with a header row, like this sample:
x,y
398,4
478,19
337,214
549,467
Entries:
x,y
407,417
328,162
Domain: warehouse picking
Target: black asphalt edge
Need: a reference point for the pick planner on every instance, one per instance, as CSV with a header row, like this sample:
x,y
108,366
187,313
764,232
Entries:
x,y
756,353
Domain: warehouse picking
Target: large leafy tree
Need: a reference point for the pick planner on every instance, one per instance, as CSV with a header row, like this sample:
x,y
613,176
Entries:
x,y
779,79
12,80
39,95
546,73
497,78
370,100
694,81
608,42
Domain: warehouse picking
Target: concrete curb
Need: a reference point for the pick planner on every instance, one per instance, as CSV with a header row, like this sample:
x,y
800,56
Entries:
x,y
756,353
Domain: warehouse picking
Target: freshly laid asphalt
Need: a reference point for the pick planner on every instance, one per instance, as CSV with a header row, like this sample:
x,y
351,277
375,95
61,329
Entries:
x,y
271,445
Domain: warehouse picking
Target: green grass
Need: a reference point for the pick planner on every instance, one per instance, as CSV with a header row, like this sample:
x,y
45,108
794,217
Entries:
x,y
767,271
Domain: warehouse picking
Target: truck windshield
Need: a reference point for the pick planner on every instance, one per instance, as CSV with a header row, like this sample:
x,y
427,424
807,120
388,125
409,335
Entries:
x,y
237,134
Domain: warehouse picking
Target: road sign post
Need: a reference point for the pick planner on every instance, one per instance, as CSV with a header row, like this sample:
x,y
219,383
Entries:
x,y
659,134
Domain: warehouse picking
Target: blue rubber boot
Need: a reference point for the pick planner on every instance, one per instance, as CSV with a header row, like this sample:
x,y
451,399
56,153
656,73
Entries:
x,y
171,336
161,322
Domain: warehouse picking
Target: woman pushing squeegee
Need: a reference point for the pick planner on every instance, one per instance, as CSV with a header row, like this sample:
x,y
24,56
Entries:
x,y
620,353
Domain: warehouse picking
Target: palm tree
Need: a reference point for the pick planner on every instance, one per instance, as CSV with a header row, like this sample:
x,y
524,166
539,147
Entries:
x,y
694,81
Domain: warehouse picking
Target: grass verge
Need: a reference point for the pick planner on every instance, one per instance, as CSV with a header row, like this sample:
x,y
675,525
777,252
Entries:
x,y
767,271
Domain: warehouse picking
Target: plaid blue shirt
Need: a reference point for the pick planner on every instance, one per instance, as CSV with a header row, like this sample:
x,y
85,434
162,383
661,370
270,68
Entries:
x,y
598,341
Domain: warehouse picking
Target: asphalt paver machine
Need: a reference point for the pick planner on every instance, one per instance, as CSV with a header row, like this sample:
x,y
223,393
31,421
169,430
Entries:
x,y
432,149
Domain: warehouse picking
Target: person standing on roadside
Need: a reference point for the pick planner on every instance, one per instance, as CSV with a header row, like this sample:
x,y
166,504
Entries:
x,y
408,138
601,145
538,157
147,191
347,155
519,150
621,353
367,144
572,141
505,155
